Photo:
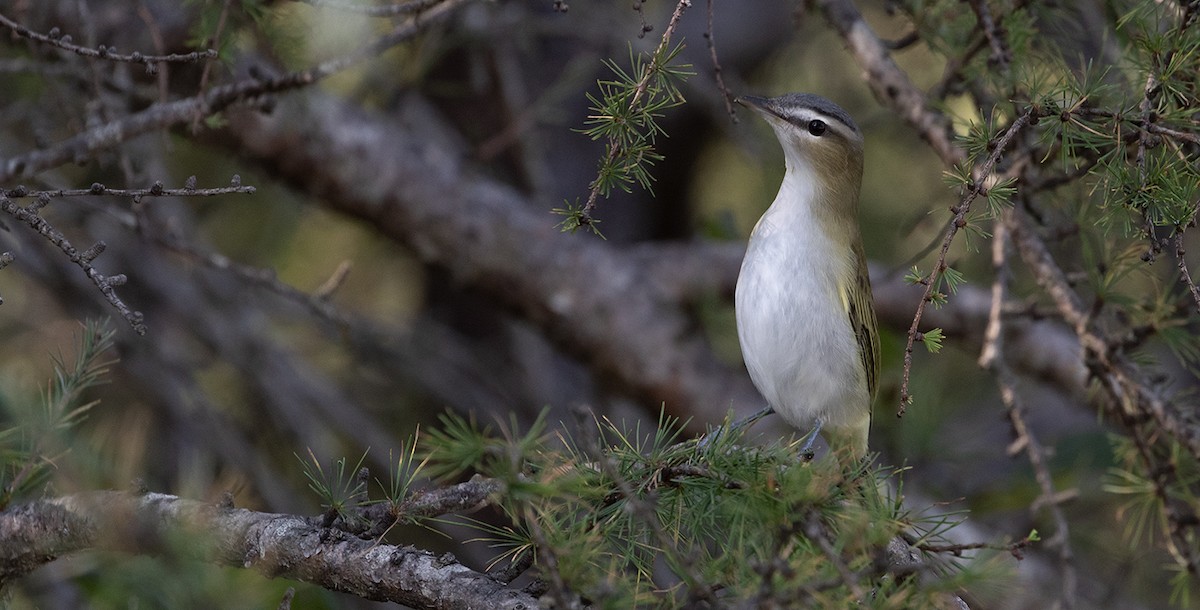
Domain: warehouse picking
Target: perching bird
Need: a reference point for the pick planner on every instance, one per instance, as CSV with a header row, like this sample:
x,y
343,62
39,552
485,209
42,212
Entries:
x,y
805,315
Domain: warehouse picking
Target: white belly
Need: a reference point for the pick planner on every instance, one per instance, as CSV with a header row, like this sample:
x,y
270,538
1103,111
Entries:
x,y
794,329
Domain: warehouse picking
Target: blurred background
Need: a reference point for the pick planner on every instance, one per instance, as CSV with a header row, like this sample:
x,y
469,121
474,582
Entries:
x,y
429,172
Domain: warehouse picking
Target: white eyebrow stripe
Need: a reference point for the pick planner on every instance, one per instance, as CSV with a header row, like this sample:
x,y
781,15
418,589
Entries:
x,y
803,116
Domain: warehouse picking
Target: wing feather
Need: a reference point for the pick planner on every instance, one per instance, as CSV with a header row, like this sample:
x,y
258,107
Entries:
x,y
860,307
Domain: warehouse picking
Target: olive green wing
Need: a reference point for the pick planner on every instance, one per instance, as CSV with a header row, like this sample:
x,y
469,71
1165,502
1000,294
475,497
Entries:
x,y
860,306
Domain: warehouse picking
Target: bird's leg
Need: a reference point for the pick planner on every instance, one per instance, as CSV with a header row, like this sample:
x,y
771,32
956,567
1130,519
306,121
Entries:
x,y
737,426
807,451
750,421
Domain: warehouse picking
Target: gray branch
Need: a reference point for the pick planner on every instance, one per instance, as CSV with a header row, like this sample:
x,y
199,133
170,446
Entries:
x,y
609,306
277,545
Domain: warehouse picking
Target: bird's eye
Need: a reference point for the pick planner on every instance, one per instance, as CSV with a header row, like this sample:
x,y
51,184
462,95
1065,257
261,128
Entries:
x,y
816,127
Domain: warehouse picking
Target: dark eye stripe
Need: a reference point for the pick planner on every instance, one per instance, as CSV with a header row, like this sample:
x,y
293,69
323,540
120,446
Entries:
x,y
805,120
824,126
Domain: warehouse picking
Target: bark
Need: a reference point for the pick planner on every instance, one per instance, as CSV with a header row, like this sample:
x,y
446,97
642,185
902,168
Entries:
x,y
277,545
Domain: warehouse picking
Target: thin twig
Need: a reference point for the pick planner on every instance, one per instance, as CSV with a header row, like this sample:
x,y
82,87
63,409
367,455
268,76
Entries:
x,y
639,6
814,530
976,188
158,190
317,303
548,559
1131,397
1191,9
614,147
55,39
890,85
156,37
6,258
1146,110
784,543
993,333
904,41
645,510
952,74
1049,498
710,37
993,358
216,35
106,284
1184,274
1184,136
959,549
160,116
1001,56
386,10
1164,475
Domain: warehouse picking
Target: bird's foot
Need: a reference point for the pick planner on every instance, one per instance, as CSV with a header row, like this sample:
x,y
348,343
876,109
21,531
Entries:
x,y
806,451
734,428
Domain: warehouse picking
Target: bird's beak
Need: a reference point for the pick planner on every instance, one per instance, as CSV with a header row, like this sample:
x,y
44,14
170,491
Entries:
x,y
758,104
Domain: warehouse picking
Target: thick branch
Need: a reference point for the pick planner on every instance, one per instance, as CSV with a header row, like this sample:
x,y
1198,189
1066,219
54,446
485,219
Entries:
x,y
409,179
280,546
888,82
1130,391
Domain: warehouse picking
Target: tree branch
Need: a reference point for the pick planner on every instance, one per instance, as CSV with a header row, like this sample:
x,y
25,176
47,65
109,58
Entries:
x,y
1026,441
888,82
55,39
409,178
160,116
973,190
1125,383
277,545
107,284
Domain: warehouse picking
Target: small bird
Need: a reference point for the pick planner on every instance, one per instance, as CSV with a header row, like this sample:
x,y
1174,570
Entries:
x,y
805,315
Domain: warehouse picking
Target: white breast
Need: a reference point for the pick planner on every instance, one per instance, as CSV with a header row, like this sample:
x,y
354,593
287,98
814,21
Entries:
x,y
792,323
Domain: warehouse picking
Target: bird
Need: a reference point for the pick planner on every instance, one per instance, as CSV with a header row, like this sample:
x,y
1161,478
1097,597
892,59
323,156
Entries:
x,y
805,315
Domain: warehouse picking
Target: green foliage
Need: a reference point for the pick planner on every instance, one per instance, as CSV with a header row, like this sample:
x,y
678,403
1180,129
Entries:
x,y
1141,507
1106,173
639,518
40,436
1098,118
344,489
340,488
949,279
1160,189
958,177
945,25
403,471
624,114
933,340
914,276
999,196
460,445
574,218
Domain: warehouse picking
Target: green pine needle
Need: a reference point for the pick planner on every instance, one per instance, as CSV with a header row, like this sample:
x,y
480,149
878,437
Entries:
x,y
933,340
29,448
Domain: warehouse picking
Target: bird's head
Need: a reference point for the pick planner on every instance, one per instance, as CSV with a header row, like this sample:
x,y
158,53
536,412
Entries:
x,y
820,141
